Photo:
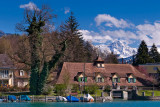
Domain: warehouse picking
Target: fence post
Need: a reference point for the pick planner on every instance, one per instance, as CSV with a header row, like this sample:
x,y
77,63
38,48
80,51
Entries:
x,y
7,98
45,98
20,98
33,98
152,94
143,93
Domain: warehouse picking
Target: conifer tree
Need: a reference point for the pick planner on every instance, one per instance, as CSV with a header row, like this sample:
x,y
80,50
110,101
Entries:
x,y
142,56
75,51
153,53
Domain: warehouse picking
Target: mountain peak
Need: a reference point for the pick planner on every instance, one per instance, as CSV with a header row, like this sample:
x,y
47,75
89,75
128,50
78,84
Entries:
x,y
120,48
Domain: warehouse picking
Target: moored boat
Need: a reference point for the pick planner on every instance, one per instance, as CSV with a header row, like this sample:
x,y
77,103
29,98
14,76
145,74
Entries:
x,y
24,98
12,98
72,99
61,99
87,98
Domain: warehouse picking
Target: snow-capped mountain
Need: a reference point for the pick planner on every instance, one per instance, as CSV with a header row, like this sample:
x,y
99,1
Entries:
x,y
120,48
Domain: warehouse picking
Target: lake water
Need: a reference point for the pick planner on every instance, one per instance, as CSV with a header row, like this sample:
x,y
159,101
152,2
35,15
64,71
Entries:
x,y
81,104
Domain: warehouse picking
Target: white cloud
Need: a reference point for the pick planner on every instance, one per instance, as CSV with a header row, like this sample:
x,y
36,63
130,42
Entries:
x,y
66,10
95,37
149,33
111,21
120,34
30,6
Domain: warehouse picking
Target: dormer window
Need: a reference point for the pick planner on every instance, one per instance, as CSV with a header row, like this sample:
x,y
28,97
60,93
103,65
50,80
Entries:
x,y
131,79
99,78
115,79
81,78
21,73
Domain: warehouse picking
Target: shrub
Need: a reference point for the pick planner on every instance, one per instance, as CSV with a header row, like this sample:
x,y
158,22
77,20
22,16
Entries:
x,y
91,89
4,89
26,88
107,88
75,88
60,89
47,90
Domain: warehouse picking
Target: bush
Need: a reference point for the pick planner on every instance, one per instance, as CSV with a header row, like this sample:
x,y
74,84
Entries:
x,y
47,90
26,88
91,89
60,89
107,88
4,89
75,88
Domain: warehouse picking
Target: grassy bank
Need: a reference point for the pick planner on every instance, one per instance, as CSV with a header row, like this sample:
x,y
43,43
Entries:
x,y
149,92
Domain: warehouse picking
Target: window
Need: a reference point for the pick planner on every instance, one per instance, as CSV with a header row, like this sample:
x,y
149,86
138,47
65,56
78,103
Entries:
x,y
21,73
99,79
131,80
5,74
82,79
100,65
116,80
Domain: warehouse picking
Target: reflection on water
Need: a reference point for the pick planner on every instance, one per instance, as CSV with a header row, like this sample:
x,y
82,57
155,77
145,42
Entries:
x,y
81,104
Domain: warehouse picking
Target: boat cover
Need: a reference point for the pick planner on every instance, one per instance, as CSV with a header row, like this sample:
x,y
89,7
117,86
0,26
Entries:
x,y
72,99
25,98
11,97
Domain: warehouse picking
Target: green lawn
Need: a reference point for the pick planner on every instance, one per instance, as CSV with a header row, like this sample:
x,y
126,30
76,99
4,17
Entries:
x,y
149,92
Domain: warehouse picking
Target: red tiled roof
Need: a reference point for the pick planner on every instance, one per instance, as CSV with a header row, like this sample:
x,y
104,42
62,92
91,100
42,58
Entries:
x,y
121,69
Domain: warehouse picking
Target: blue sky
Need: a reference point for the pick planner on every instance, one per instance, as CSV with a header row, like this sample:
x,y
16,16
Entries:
x,y
101,21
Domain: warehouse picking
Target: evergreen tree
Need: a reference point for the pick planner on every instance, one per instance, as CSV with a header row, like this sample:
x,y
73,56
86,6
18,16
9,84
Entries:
x,y
142,56
75,51
153,53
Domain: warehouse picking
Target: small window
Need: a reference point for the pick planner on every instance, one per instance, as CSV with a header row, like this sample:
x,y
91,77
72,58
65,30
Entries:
x,y
116,80
21,72
98,65
5,73
100,79
131,80
102,65
82,79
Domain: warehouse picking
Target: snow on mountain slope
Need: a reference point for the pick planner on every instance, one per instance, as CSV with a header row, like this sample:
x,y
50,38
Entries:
x,y
120,48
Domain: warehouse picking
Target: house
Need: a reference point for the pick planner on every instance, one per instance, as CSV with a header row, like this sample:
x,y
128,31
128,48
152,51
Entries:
x,y
151,68
102,74
12,74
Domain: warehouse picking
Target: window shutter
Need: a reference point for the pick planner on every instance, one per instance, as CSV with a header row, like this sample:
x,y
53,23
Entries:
x,y
79,79
85,79
134,80
102,79
112,79
96,79
128,80
119,80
